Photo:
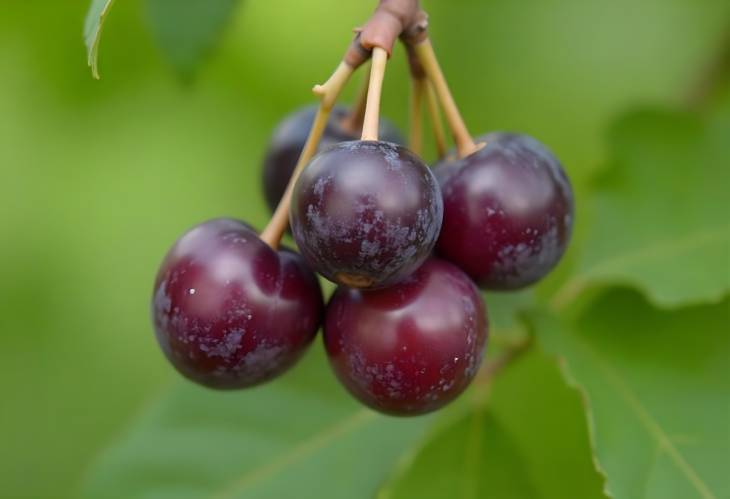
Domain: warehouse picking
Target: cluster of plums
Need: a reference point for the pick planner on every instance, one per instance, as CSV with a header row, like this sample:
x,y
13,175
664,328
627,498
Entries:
x,y
406,328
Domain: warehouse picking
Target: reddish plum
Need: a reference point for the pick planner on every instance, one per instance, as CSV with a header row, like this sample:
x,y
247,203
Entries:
x,y
229,311
366,214
410,348
508,212
288,140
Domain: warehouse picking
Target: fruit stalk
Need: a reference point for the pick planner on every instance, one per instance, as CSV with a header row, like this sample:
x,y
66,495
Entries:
x,y
427,57
414,35
508,356
353,121
496,365
372,109
437,127
415,139
328,93
418,91
422,87
711,77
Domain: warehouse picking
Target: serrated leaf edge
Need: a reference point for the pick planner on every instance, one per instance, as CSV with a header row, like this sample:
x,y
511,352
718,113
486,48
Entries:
x,y
576,285
655,431
404,463
572,383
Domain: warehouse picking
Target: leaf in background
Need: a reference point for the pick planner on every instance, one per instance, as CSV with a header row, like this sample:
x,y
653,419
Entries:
x,y
472,457
547,421
188,30
273,441
661,211
657,393
530,442
93,24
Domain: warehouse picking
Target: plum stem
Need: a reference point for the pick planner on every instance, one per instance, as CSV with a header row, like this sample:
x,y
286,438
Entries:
x,y
510,354
328,93
352,122
415,139
491,369
712,76
427,57
372,109
418,90
422,86
437,126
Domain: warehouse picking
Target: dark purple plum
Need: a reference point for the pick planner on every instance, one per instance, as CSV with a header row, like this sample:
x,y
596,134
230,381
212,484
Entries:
x,y
229,311
366,214
288,140
508,211
411,348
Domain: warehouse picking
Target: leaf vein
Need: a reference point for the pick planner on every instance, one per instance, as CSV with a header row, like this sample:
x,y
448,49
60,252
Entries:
x,y
650,424
663,249
308,447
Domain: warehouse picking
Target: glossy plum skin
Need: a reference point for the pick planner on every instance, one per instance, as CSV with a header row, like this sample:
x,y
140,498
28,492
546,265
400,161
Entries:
x,y
508,212
287,142
230,312
411,348
366,213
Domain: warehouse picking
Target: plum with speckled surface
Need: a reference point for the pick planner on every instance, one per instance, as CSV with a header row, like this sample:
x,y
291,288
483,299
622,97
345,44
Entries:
x,y
411,348
229,311
289,137
508,211
366,214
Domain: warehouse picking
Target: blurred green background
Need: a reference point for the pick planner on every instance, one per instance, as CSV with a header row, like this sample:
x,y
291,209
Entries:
x,y
97,179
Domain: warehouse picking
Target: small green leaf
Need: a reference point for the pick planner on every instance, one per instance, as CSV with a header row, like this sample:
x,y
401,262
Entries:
x,y
661,211
472,457
95,17
188,30
273,441
657,393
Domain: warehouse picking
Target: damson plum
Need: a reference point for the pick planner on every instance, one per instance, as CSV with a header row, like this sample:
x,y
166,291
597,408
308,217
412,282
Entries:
x,y
508,211
288,140
410,348
229,311
366,214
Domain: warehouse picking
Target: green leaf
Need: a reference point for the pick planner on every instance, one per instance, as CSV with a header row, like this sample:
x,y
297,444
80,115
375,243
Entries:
x,y
188,30
95,17
547,420
272,441
656,393
530,442
472,457
661,212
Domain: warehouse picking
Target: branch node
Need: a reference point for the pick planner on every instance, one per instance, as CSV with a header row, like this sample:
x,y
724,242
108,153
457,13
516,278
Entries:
x,y
390,19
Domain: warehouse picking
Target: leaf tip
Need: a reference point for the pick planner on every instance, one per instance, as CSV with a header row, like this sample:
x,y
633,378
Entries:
x,y
95,17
